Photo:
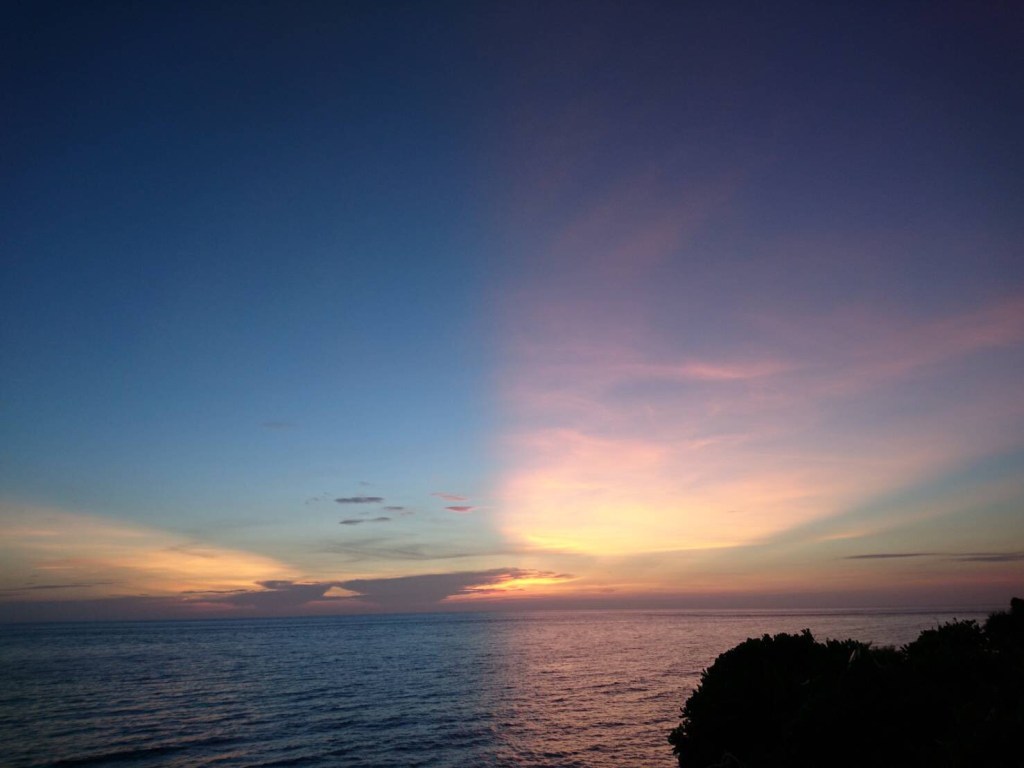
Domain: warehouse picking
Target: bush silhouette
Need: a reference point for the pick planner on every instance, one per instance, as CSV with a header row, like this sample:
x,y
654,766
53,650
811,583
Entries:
x,y
953,698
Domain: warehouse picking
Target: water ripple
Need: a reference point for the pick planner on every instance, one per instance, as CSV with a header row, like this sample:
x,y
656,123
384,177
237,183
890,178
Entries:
x,y
550,690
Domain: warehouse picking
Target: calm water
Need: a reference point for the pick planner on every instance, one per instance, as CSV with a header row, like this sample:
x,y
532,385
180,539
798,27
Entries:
x,y
593,689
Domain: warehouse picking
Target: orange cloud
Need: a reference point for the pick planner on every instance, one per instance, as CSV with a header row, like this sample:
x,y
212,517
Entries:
x,y
99,556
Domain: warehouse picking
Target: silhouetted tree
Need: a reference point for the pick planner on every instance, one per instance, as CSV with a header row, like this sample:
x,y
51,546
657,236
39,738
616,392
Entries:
x,y
954,698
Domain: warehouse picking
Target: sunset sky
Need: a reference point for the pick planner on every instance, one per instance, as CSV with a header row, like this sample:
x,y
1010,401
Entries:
x,y
326,307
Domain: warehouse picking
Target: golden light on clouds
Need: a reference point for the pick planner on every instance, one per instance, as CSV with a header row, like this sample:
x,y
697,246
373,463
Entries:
x,y
615,496
77,555
518,583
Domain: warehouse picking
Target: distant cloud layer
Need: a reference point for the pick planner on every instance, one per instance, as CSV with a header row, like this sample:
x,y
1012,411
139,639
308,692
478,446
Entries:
x,y
46,587
889,555
401,593
277,595
966,557
360,500
412,592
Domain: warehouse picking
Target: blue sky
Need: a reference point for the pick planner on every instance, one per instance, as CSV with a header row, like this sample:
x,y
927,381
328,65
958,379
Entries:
x,y
680,303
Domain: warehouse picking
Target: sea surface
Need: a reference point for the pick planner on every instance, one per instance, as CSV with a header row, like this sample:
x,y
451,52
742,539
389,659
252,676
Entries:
x,y
542,690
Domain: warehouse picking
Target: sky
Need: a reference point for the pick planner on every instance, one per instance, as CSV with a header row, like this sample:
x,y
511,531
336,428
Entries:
x,y
317,308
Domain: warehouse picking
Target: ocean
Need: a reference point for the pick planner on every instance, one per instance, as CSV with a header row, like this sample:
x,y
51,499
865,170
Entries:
x,y
593,689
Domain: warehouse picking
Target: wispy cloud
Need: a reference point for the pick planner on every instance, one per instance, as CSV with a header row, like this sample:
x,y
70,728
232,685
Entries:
x,y
48,587
713,450
964,557
450,496
463,510
663,389
386,549
360,500
857,348
991,557
361,520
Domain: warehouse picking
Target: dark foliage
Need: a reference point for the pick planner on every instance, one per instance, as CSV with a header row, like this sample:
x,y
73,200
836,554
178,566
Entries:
x,y
954,698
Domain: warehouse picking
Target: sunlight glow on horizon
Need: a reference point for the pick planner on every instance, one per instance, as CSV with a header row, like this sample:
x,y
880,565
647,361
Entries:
x,y
359,307
112,557
614,448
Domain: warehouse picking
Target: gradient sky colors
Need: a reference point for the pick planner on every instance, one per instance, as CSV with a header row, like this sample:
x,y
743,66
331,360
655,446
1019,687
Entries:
x,y
335,307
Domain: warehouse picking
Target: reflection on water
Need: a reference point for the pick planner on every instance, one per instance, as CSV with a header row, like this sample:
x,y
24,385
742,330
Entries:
x,y
591,689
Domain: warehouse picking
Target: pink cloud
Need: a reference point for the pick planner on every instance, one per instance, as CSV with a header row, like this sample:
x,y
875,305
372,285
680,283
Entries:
x,y
462,510
450,496
665,387
859,349
628,442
